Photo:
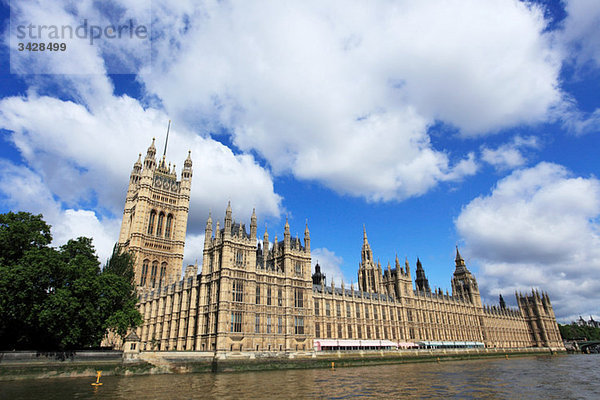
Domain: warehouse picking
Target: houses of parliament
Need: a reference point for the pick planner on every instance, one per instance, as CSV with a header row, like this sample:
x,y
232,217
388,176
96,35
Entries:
x,y
262,296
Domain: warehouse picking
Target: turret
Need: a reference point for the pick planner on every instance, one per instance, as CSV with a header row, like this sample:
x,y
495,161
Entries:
x,y
208,232
318,277
421,281
307,238
186,174
228,219
266,241
150,160
136,172
286,235
253,227
460,262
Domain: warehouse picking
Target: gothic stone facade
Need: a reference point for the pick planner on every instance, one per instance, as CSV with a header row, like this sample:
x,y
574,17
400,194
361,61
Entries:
x,y
249,296
155,219
256,295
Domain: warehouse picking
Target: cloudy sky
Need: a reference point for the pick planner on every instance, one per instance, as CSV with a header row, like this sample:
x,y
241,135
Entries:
x,y
434,124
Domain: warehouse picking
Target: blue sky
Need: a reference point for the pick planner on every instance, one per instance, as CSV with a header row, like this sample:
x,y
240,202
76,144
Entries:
x,y
434,124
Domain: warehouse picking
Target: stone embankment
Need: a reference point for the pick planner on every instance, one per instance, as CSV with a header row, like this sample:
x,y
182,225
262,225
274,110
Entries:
x,y
31,365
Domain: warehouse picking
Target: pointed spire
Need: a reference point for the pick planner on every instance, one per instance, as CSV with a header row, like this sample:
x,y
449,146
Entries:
x,y
253,226
186,174
228,219
208,231
137,166
286,234
365,241
152,147
460,263
307,238
266,241
421,280
150,161
458,256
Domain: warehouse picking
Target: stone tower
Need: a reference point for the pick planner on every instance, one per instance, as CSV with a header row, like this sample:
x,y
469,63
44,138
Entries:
x,y
422,282
155,219
539,314
256,296
369,273
397,281
464,284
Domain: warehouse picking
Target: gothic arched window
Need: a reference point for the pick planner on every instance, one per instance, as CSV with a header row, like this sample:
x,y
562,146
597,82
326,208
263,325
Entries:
x,y
163,273
159,226
144,272
168,226
151,222
153,273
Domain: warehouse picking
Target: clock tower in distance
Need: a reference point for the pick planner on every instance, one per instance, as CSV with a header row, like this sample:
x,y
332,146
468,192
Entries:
x,y
155,219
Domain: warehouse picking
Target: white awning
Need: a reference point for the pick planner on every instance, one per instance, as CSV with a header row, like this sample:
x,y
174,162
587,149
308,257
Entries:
x,y
354,343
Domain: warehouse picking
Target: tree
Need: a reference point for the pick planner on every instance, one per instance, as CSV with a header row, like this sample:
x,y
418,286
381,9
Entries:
x,y
120,295
120,263
59,298
573,331
20,232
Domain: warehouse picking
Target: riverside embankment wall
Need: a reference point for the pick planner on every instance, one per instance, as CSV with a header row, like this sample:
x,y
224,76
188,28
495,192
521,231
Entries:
x,y
35,365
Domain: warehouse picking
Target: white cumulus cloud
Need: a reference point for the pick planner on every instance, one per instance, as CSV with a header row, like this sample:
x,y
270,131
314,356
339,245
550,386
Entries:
x,y
538,228
509,155
344,92
23,189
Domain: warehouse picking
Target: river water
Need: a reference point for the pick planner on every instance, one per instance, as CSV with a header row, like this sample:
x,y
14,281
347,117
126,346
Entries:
x,y
541,377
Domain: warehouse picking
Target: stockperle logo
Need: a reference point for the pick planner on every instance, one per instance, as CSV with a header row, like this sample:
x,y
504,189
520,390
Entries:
x,y
62,40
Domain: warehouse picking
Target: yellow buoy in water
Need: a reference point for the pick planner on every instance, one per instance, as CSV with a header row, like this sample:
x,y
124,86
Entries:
x,y
98,375
506,356
332,365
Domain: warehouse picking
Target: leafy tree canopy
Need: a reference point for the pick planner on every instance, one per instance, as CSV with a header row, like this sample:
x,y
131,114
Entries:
x,y
573,331
20,232
59,298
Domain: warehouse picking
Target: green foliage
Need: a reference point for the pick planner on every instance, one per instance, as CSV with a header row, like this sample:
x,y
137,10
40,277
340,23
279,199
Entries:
x,y
120,263
59,299
573,331
20,232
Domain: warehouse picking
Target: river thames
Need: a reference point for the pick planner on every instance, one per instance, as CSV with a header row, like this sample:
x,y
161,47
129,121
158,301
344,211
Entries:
x,y
541,377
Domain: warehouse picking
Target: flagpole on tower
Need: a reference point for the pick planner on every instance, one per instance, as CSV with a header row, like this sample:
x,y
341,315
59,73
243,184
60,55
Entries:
x,y
166,142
